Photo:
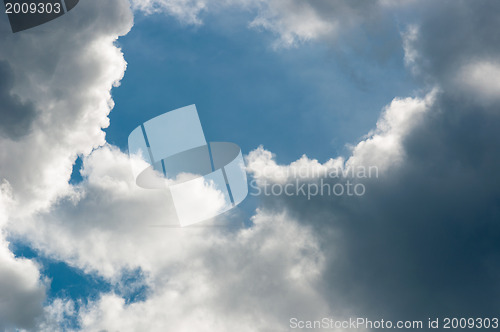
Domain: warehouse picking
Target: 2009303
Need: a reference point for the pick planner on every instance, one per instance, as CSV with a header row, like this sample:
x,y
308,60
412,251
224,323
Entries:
x,y
33,8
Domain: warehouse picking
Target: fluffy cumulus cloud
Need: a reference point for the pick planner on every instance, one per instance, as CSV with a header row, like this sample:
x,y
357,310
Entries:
x,y
202,278
421,241
68,74
21,288
57,316
224,282
55,90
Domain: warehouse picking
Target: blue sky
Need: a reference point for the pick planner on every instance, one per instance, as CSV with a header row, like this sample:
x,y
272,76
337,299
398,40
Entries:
x,y
313,99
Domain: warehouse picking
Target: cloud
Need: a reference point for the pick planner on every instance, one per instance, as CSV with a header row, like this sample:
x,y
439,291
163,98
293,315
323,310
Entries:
x,y
231,281
16,115
57,316
480,78
423,241
410,36
199,278
296,21
55,84
70,78
452,37
22,291
424,236
293,22
187,11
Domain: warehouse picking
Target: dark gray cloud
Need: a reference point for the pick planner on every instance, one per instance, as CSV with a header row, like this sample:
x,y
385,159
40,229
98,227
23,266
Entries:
x,y
453,34
16,116
425,239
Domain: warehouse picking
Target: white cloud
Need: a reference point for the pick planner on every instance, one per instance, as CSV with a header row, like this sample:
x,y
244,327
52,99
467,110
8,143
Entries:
x,y
481,78
21,290
410,36
187,11
65,69
293,22
230,282
69,82
383,147
202,278
261,163
57,316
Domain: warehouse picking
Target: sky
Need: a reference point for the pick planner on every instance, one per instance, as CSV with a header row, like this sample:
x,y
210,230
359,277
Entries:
x,y
171,65
307,89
